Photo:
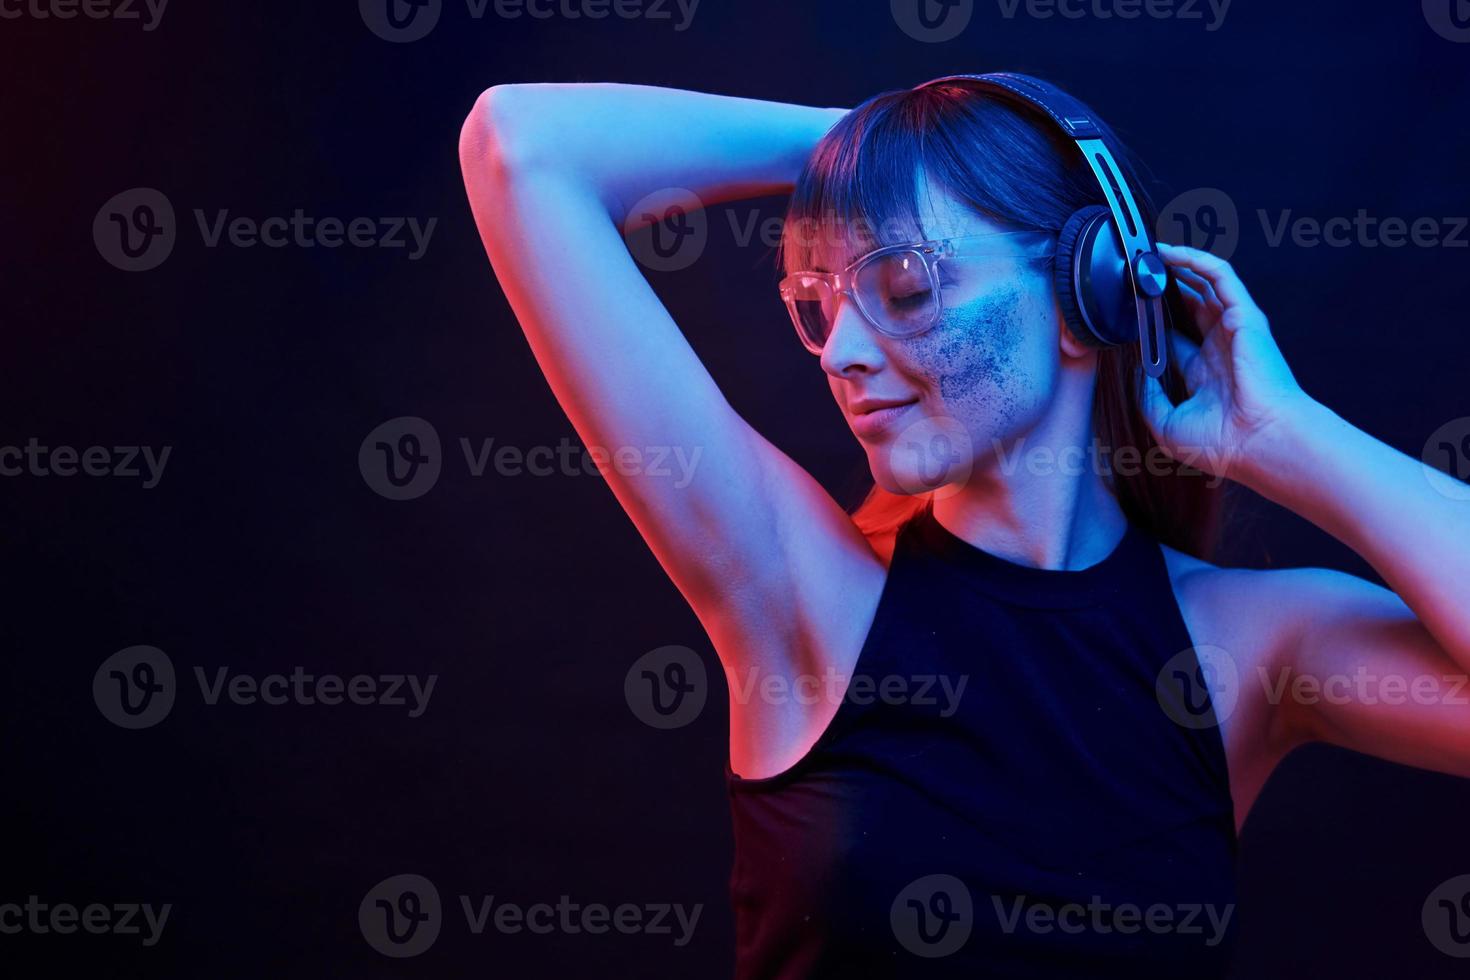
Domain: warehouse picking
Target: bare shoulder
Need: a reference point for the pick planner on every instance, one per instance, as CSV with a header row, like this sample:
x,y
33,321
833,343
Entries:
x,y
1222,607
1241,622
1253,612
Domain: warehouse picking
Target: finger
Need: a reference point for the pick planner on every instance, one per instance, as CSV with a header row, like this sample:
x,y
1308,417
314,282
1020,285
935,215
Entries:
x,y
1155,405
1184,351
1200,285
1196,311
1199,304
1213,269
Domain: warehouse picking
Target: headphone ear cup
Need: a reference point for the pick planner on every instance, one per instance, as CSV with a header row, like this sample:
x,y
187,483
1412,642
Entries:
x,y
1064,276
1093,288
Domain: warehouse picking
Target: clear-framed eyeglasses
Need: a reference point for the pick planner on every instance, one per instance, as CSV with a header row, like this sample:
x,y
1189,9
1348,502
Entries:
x,y
897,288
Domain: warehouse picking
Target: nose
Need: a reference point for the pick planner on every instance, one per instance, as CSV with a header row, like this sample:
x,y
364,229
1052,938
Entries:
x,y
853,345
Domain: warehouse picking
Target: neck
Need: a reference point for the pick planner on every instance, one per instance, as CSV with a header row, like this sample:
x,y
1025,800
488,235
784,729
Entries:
x,y
1039,500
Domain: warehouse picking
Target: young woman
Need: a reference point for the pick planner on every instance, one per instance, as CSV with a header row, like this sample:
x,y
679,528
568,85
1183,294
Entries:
x,y
953,743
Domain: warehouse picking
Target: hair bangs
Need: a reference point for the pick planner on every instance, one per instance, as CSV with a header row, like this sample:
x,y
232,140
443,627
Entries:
x,y
859,189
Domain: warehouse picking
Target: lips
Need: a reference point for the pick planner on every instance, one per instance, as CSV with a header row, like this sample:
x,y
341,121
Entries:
x,y
873,418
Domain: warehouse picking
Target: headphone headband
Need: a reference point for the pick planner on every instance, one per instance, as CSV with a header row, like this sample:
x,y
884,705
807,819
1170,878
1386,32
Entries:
x,y
1147,274
1072,116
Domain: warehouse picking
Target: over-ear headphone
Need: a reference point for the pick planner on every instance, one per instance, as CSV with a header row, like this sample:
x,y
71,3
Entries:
x,y
1110,280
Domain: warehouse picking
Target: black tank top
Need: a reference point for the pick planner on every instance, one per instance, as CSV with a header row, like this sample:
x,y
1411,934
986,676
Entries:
x,y
1058,815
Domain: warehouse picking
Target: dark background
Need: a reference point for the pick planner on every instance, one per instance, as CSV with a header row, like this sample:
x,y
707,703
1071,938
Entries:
x,y
263,548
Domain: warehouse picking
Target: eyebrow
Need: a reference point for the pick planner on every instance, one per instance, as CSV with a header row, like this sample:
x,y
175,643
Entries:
x,y
848,258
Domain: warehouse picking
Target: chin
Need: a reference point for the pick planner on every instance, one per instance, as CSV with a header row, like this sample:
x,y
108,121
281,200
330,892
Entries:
x,y
932,455
929,476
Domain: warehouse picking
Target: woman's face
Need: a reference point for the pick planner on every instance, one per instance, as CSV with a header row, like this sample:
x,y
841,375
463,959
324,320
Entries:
x,y
980,378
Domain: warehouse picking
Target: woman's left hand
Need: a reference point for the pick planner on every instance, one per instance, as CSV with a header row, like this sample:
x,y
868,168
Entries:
x,y
1239,385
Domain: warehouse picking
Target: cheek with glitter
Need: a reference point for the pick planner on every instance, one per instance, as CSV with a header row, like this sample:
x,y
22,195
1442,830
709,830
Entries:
x,y
971,356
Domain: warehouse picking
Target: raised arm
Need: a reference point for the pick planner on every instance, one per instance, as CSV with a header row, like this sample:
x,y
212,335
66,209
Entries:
x,y
756,546
1339,659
